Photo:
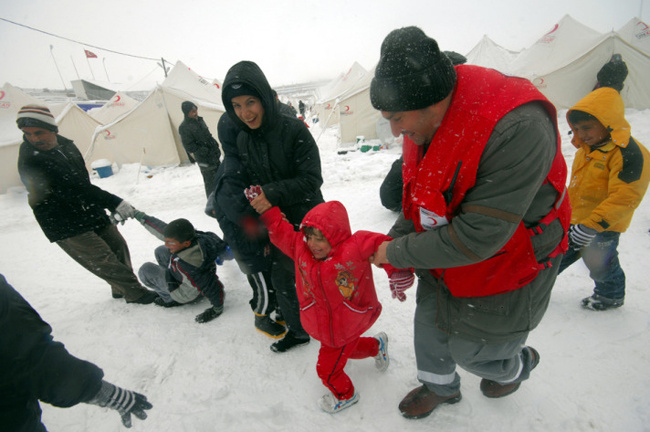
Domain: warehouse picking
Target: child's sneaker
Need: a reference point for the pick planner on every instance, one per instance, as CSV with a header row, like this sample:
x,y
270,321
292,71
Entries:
x,y
381,359
329,403
600,303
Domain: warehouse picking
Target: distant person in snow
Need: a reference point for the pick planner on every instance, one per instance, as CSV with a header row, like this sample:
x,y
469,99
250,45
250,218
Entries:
x,y
278,153
199,144
70,209
336,291
609,178
36,368
285,108
483,220
185,271
301,108
390,191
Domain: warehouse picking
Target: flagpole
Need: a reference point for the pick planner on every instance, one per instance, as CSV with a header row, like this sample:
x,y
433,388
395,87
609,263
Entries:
x,y
104,63
57,67
75,67
91,69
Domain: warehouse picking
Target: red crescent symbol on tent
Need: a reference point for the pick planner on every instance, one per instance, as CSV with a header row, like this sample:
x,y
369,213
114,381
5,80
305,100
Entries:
x,y
117,98
643,25
347,107
108,133
217,85
554,28
328,106
2,94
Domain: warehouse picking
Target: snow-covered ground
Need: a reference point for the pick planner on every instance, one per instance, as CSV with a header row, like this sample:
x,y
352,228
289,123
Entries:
x,y
593,375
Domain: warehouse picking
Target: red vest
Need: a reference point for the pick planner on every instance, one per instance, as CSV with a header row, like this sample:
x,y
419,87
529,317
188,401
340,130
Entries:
x,y
435,184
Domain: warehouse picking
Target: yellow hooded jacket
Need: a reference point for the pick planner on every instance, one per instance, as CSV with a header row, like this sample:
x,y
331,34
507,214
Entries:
x,y
609,182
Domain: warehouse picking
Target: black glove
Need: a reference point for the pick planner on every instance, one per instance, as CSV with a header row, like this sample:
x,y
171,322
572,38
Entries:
x,y
125,402
209,314
581,236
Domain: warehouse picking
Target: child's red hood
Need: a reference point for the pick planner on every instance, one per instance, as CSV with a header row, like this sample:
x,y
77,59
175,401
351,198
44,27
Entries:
x,y
331,218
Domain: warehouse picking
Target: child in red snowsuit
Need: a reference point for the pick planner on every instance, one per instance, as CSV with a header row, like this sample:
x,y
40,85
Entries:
x,y
338,302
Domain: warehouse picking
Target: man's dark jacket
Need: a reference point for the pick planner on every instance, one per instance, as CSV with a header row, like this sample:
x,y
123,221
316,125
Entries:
x,y
35,367
199,142
64,201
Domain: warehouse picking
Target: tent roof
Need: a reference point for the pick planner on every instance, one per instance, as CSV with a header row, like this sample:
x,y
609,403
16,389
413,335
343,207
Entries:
x,y
637,34
488,53
567,40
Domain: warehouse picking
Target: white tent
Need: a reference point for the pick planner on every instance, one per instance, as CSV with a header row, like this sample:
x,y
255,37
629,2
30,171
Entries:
x,y
74,123
488,53
329,94
11,100
637,34
567,40
357,115
118,105
563,64
149,132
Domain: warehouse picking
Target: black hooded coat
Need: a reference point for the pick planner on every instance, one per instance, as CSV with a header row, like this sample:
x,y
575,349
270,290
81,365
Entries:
x,y
281,155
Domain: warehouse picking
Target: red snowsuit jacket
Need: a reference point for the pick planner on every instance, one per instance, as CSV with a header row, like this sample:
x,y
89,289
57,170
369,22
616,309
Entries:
x,y
337,295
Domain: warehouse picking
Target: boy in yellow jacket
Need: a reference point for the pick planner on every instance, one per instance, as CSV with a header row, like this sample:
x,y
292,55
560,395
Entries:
x,y
609,178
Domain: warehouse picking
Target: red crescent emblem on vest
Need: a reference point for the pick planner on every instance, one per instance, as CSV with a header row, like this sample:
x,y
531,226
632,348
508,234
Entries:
x,y
2,94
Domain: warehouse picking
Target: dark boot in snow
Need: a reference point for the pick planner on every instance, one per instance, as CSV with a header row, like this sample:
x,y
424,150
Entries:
x,y
266,325
493,389
288,342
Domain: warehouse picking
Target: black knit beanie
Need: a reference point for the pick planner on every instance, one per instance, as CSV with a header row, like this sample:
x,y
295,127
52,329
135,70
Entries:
x,y
187,106
36,116
180,229
239,89
412,73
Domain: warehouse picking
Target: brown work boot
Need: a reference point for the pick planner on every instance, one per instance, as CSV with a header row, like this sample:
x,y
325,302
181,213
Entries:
x,y
493,389
421,401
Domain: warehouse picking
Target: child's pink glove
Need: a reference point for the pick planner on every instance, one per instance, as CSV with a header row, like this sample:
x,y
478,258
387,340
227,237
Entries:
x,y
252,192
399,281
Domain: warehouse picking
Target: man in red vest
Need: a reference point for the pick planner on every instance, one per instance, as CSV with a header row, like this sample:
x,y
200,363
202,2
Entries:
x,y
484,220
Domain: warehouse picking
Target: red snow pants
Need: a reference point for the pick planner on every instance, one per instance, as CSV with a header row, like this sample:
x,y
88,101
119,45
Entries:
x,y
331,362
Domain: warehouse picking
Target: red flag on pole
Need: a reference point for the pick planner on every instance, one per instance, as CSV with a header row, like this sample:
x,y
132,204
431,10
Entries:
x,y
90,54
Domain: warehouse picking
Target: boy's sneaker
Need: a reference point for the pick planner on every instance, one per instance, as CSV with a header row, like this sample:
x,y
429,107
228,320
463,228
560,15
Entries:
x,y
329,403
599,303
147,298
289,341
160,302
266,325
381,359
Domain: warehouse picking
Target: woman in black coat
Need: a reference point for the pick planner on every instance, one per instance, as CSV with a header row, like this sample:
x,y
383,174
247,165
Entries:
x,y
278,153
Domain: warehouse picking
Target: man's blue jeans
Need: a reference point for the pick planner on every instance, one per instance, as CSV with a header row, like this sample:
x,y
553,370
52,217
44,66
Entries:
x,y
601,258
